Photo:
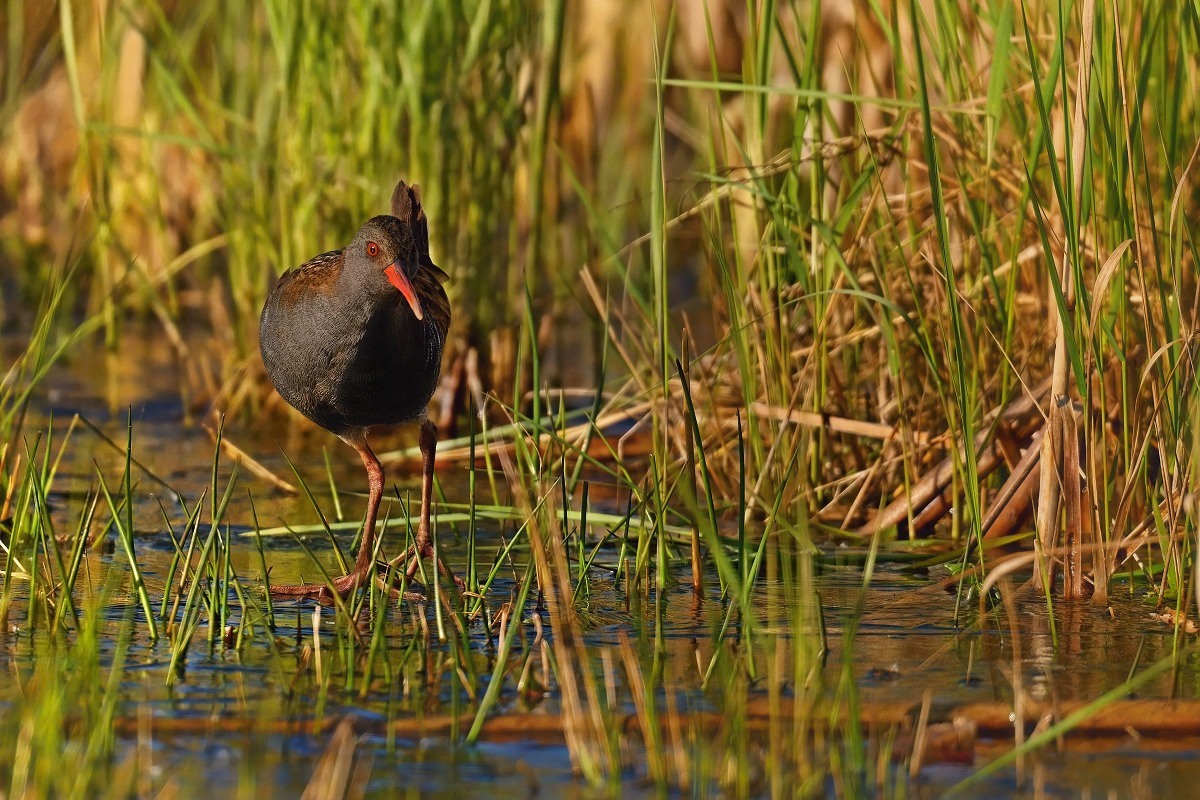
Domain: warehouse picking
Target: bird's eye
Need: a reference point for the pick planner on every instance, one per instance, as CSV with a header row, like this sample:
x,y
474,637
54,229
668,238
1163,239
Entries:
x,y
372,249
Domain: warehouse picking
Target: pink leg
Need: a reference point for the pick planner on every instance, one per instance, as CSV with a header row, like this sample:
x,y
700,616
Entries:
x,y
428,454
364,565
424,543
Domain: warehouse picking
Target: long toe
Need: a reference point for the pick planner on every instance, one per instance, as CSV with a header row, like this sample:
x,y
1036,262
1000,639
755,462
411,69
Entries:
x,y
309,591
342,586
414,556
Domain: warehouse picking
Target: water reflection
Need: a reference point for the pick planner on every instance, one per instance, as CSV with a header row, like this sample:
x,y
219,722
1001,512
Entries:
x,y
912,638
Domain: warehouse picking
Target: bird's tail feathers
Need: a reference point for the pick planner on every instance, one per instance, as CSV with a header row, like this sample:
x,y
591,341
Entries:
x,y
406,205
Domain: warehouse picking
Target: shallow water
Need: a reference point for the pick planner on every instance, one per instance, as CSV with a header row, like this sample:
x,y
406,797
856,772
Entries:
x,y
912,637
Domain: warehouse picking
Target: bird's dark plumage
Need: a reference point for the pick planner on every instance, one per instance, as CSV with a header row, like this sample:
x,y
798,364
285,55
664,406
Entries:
x,y
342,344
353,338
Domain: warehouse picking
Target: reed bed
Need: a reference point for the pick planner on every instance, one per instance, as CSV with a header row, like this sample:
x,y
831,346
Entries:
x,y
733,283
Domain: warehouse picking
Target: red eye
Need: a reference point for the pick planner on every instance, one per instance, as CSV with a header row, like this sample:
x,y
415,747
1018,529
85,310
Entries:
x,y
372,249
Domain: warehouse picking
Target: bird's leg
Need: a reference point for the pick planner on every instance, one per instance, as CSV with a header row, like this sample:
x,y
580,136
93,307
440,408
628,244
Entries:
x,y
364,565
428,454
424,543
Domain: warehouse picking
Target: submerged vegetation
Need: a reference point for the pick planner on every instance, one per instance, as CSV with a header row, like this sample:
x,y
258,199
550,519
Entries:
x,y
745,295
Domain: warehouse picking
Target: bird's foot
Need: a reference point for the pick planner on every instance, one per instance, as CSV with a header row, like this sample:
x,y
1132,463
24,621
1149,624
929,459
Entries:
x,y
384,576
411,559
323,592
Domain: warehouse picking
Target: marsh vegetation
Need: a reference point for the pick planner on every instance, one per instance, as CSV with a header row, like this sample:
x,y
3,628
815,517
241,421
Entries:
x,y
817,412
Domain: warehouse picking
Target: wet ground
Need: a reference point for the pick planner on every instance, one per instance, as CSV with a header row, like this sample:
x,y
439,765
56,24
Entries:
x,y
914,637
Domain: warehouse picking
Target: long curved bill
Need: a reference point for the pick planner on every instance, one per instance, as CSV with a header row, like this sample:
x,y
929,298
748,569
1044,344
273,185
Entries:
x,y
404,285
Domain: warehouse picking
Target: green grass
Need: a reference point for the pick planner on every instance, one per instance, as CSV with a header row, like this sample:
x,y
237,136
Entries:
x,y
887,226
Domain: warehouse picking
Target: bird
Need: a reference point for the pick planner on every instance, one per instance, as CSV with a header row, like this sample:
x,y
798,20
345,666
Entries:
x,y
352,339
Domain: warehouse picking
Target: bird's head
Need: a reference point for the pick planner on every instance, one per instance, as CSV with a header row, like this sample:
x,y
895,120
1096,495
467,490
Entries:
x,y
385,249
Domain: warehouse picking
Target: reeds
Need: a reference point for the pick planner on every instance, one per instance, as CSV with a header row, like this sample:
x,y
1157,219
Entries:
x,y
893,212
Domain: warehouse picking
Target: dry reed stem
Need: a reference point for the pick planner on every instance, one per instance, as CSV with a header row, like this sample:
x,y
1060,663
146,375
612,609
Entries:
x,y
1149,718
498,441
1048,494
249,462
1073,585
331,778
583,716
831,422
1017,716
1020,414
1015,496
920,738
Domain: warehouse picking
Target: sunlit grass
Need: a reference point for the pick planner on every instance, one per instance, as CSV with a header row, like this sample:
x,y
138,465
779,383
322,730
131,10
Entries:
x,y
884,216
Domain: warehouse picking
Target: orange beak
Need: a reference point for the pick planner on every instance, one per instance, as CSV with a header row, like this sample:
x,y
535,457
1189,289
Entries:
x,y
400,281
